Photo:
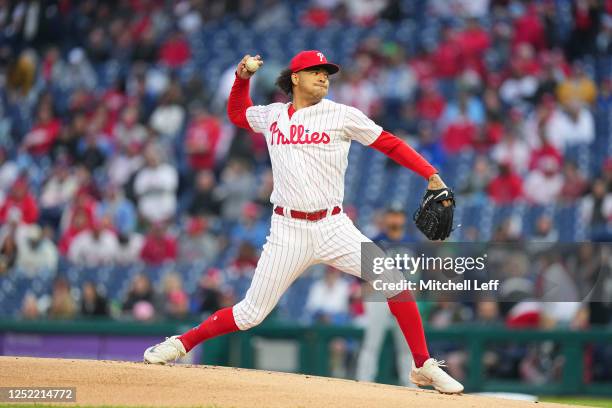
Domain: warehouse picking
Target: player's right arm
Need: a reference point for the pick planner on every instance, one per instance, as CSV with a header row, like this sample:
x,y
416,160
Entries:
x,y
239,100
361,128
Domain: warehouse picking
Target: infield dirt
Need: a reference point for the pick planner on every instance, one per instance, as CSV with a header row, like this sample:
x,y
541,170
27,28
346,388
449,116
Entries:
x,y
119,383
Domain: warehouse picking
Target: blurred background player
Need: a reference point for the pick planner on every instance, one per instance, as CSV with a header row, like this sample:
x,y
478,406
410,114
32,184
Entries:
x,y
378,319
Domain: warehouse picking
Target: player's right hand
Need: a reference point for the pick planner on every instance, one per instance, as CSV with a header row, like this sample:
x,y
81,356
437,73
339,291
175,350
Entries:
x,y
241,70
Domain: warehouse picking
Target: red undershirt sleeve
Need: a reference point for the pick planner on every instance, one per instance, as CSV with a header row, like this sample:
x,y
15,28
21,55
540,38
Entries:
x,y
400,152
238,103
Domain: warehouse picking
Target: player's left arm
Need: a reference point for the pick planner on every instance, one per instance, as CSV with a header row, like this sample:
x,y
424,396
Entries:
x,y
403,154
359,127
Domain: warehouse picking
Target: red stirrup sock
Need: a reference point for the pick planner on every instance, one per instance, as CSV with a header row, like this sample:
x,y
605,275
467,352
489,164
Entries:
x,y
405,310
219,323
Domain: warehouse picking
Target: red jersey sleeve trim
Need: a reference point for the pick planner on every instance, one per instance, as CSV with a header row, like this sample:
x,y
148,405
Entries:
x,y
238,103
400,152
291,110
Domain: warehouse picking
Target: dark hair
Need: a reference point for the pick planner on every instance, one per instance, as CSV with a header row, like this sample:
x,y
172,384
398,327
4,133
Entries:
x,y
284,81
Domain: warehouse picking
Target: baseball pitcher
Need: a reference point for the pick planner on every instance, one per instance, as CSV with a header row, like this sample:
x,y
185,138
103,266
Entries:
x,y
308,140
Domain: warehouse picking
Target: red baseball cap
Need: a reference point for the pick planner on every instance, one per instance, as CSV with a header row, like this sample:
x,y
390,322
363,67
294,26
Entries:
x,y
312,58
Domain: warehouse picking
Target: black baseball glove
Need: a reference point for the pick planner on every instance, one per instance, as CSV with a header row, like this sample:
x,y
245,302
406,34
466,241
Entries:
x,y
433,218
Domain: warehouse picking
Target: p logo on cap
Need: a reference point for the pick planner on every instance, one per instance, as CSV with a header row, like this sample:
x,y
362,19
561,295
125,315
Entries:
x,y
312,58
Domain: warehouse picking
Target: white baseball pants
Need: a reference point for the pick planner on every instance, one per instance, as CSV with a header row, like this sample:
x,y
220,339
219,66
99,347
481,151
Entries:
x,y
292,246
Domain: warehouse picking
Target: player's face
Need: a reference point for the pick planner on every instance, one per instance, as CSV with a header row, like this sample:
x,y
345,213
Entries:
x,y
313,82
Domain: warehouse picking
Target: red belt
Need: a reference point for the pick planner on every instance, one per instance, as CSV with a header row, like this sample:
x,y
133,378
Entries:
x,y
308,216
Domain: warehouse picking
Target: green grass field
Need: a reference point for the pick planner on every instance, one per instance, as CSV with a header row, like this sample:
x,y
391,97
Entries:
x,y
585,401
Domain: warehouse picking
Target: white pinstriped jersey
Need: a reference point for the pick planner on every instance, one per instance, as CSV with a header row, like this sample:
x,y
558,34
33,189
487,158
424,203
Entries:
x,y
309,152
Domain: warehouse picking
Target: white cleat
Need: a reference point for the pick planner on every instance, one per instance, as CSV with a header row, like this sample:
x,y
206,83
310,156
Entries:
x,y
432,375
165,352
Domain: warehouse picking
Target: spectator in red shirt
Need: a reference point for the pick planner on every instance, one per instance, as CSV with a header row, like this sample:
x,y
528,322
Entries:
x,y
317,17
473,42
421,64
82,202
525,59
159,246
528,28
488,136
459,135
115,99
461,132
78,223
175,52
447,58
507,187
431,104
203,136
544,151
41,137
21,199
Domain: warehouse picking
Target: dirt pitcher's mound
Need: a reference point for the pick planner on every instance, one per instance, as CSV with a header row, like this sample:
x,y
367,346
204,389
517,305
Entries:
x,y
121,383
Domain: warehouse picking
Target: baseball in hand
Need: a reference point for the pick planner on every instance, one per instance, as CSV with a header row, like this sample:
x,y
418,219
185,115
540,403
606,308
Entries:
x,y
251,64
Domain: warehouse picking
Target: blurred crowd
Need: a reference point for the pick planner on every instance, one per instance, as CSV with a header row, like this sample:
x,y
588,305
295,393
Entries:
x,y
144,167
542,286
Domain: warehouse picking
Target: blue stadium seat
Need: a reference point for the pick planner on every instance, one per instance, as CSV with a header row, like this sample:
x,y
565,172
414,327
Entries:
x,y
566,219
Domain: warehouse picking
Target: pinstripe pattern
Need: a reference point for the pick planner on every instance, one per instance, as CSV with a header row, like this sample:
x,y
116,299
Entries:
x,y
286,254
258,116
292,246
339,245
307,177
